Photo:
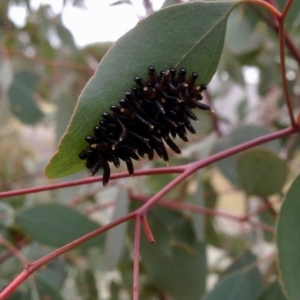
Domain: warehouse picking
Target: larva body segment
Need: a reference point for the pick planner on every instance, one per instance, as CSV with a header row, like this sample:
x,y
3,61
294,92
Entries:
x,y
152,115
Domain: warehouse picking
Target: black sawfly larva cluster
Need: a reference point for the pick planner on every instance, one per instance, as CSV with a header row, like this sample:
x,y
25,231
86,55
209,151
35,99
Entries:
x,y
152,114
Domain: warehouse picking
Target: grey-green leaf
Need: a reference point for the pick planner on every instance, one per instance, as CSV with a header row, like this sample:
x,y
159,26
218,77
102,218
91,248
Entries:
x,y
273,292
57,225
236,137
21,98
261,172
245,284
189,35
288,241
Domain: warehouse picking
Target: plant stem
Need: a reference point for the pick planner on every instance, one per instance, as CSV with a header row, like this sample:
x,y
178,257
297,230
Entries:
x,y
32,267
282,63
206,211
193,167
188,170
286,9
266,5
147,229
55,186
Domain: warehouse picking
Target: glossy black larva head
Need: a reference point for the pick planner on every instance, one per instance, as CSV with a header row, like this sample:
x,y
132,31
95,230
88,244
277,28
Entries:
x,y
152,115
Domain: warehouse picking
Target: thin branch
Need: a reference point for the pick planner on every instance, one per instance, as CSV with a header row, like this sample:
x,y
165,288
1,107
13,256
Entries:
x,y
214,118
32,267
193,167
282,63
47,62
61,185
186,169
274,26
14,250
286,9
147,229
206,211
266,5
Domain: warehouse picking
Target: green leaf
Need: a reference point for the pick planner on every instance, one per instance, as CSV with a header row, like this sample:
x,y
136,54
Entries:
x,y
115,237
21,98
261,172
240,38
288,241
268,218
65,36
236,137
86,283
272,292
45,288
182,273
176,262
245,284
55,272
56,225
189,35
196,198
241,263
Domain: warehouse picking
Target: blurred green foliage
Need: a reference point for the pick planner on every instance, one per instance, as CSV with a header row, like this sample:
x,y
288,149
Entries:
x,y
194,257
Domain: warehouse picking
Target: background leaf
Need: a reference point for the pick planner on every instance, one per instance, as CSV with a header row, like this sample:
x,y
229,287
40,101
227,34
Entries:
x,y
58,225
165,39
261,172
21,98
115,238
245,284
176,262
273,292
288,241
236,137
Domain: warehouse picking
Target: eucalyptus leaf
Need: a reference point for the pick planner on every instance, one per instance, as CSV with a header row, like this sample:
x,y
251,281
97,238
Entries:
x,y
244,284
189,35
236,137
288,241
261,172
22,102
57,225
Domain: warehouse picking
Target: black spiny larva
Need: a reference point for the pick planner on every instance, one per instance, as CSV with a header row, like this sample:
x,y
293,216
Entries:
x,y
152,115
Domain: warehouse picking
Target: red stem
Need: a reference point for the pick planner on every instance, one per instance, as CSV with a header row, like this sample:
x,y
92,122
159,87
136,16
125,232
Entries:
x,y
165,170
32,267
206,211
193,167
286,9
55,186
188,170
281,35
266,5
147,229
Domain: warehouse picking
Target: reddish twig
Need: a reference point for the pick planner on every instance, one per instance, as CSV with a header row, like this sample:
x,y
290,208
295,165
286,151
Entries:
x,y
32,267
193,167
206,211
55,186
281,35
272,9
47,62
147,229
